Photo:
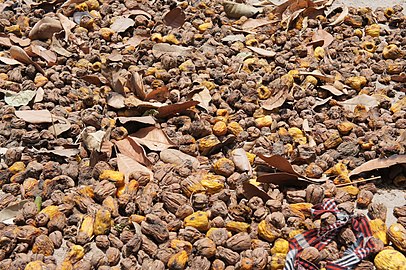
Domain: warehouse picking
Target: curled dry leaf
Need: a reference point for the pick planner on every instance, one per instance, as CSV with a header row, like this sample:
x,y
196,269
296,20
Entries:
x,y
175,18
280,89
251,190
237,10
47,55
39,96
365,100
116,100
9,61
153,138
149,120
136,85
262,52
127,166
121,24
159,94
204,98
45,28
20,55
93,140
95,79
172,109
234,38
323,35
332,89
379,163
160,49
5,41
319,75
67,25
59,128
131,148
341,17
23,42
178,158
57,47
251,24
8,214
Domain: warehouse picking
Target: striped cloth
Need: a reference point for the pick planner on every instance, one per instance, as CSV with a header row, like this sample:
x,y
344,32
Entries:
x,y
320,238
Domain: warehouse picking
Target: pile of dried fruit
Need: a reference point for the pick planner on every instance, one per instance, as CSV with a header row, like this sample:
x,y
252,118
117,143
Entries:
x,y
197,134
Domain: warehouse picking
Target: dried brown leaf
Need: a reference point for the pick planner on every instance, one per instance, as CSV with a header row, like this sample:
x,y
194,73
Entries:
x,y
121,24
127,166
39,96
5,41
115,56
20,55
131,148
321,34
57,47
136,85
35,116
365,100
160,49
23,42
45,28
9,61
237,10
153,138
251,190
159,94
116,100
379,163
175,18
47,55
341,17
251,24
319,75
67,25
204,98
95,79
172,109
149,120
333,90
262,52
280,89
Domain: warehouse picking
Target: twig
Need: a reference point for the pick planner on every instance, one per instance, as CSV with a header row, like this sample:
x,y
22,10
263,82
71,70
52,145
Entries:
x,y
359,181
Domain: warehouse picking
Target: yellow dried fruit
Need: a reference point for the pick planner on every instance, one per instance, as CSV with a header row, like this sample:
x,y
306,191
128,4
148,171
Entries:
x,y
96,66
137,218
398,105
265,121
358,32
178,261
236,226
280,246
87,226
198,220
187,66
267,231
40,80
235,128
15,29
373,30
390,260
212,183
311,79
95,14
209,85
106,33
51,211
204,26
345,128
83,63
17,167
3,76
333,141
278,261
113,176
220,128
177,244
389,12
341,179
86,191
397,235
263,92
43,245
302,210
222,112
378,228
352,190
157,37
392,51
369,46
251,42
66,265
251,157
36,265
171,38
356,82
191,186
75,254
102,222
367,145
293,233
224,166
81,7
92,4
297,135
319,53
